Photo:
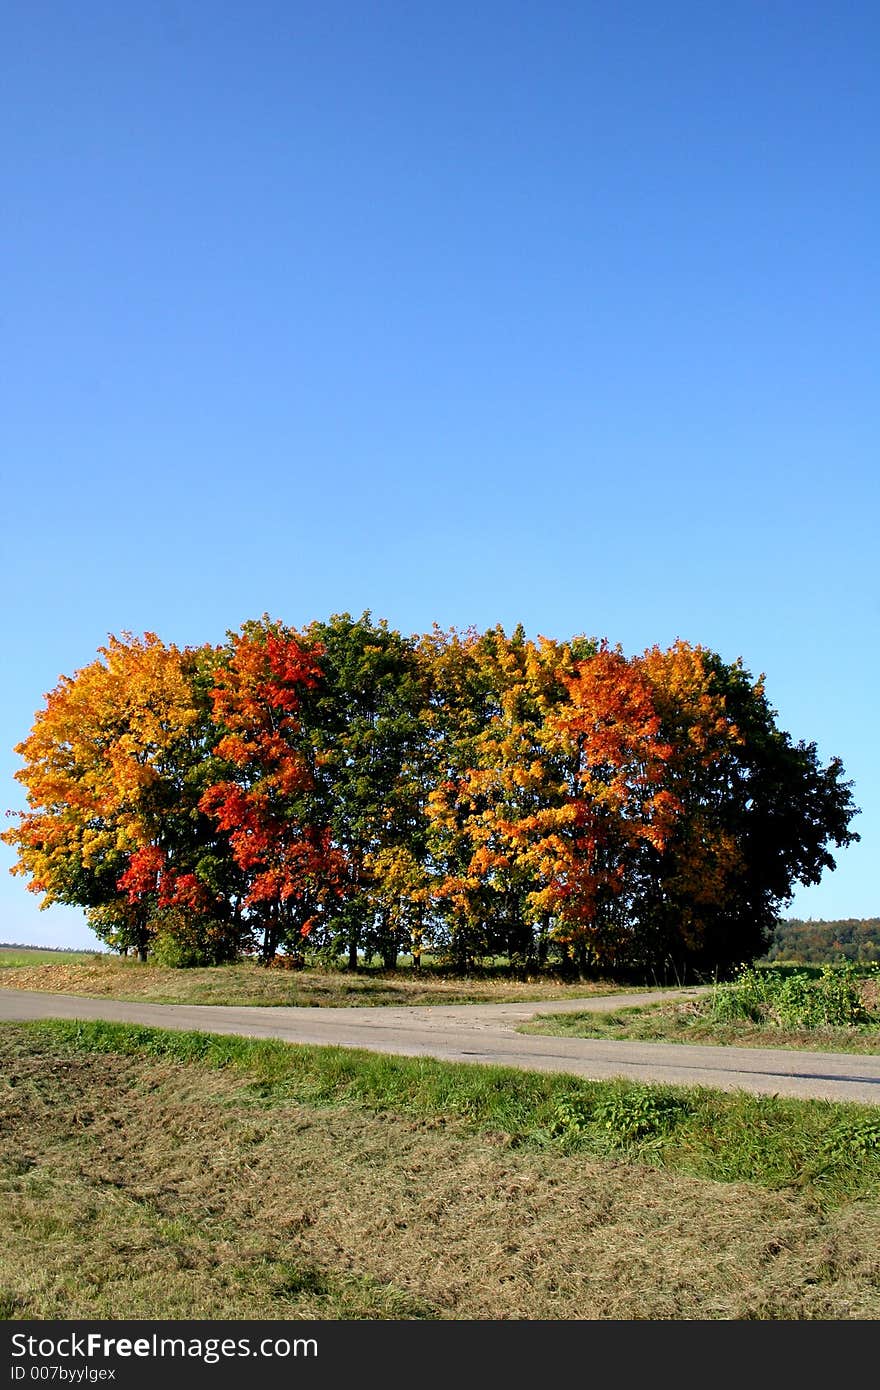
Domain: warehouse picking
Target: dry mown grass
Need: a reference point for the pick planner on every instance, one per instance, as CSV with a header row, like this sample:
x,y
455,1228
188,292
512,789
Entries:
x,y
138,1188
117,978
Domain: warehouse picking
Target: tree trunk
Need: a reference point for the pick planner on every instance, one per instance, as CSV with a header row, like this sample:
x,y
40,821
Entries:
x,y
142,934
543,943
417,945
270,938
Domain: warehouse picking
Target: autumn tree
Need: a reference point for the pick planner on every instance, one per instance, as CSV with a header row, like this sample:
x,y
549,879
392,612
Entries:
x,y
112,823
589,848
265,797
462,702
490,697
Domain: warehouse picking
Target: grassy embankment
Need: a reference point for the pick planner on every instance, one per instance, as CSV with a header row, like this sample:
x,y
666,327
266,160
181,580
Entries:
x,y
149,1174
821,1009
115,977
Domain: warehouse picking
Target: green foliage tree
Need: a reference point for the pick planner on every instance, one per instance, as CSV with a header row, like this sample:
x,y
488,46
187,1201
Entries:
x,y
366,738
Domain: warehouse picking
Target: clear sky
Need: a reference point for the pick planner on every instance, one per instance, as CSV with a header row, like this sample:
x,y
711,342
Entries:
x,y
560,313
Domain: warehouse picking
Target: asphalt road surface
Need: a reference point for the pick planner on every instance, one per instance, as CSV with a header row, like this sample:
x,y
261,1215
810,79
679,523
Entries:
x,y
485,1033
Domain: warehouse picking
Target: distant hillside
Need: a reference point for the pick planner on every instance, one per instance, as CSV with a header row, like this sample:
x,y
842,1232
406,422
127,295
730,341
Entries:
x,y
815,942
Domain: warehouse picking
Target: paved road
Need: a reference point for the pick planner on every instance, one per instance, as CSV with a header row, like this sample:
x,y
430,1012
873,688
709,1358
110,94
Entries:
x,y
486,1033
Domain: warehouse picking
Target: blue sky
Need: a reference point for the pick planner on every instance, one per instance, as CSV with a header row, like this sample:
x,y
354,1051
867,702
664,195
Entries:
x,y
556,313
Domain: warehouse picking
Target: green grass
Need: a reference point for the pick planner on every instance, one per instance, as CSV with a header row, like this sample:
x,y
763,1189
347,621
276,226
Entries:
x,y
725,1136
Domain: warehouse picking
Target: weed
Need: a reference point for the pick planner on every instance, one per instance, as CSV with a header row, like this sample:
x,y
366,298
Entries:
x,y
640,1114
794,999
571,1115
854,1139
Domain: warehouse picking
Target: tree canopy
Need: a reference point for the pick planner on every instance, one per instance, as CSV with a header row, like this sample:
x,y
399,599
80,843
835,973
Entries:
x,y
350,792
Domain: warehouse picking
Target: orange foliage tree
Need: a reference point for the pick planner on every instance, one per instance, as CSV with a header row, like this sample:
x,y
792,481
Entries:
x,y
111,823
589,850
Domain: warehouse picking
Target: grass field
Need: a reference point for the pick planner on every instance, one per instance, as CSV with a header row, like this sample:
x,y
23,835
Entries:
x,y
118,977
148,1174
17,956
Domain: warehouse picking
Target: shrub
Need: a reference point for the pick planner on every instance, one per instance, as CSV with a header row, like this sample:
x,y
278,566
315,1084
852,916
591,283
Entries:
x,y
835,998
187,942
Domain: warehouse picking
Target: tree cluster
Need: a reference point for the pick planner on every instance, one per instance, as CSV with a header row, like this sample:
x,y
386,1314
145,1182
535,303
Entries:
x,y
346,792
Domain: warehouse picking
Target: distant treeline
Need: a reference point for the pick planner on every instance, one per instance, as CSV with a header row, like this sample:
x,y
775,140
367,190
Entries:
x,y
815,943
